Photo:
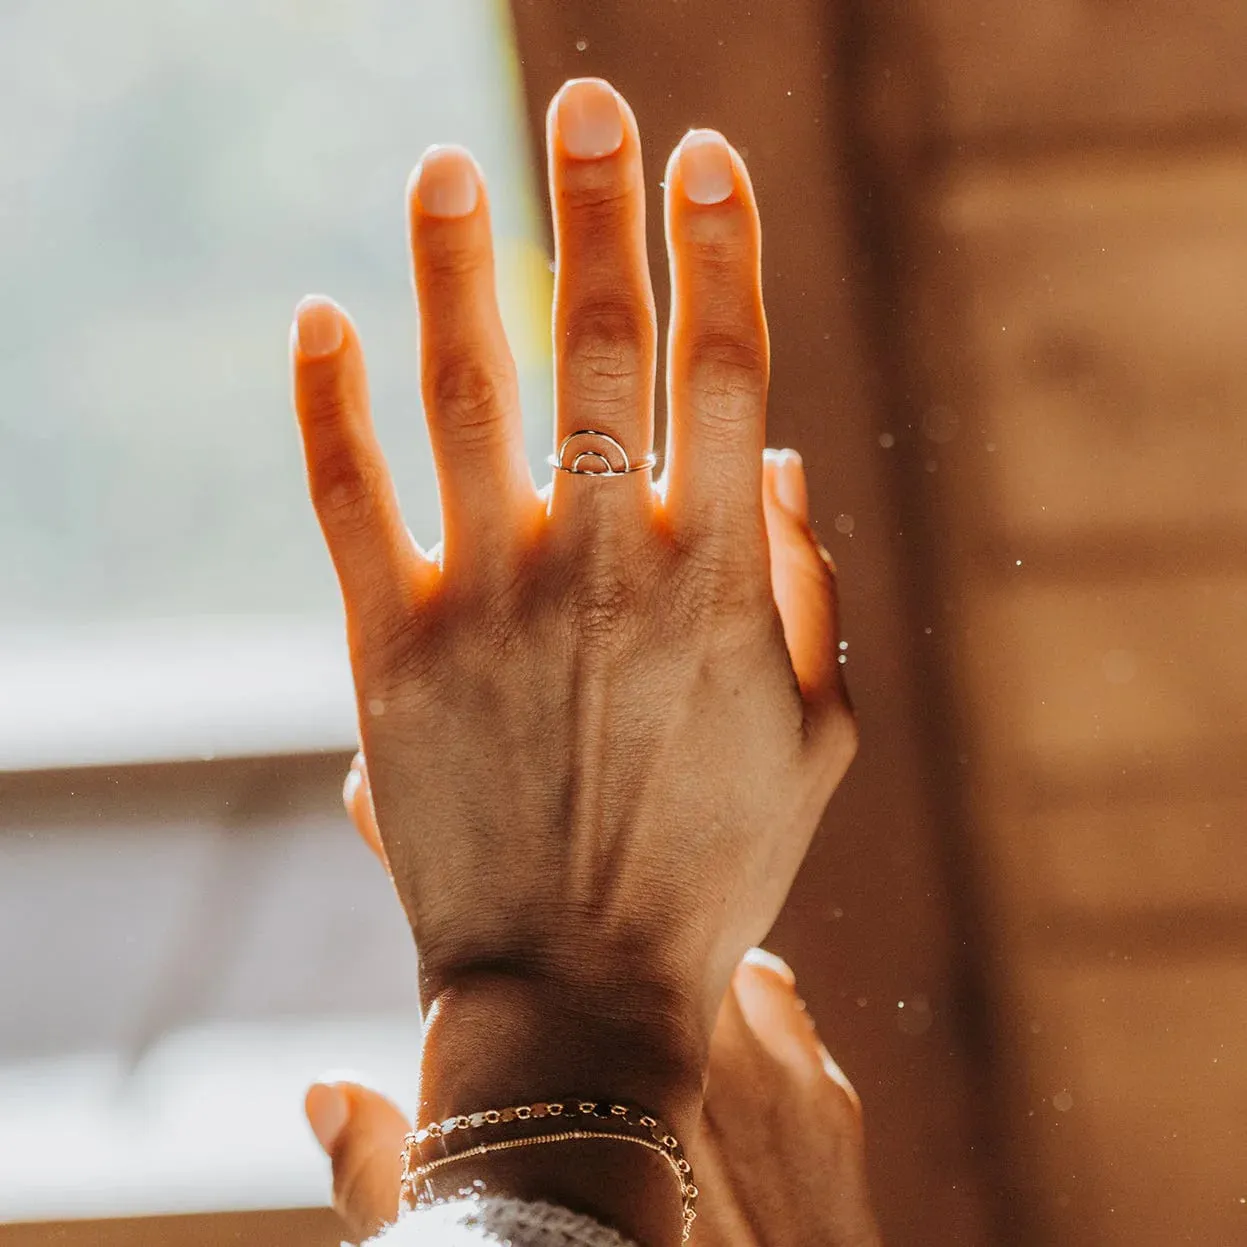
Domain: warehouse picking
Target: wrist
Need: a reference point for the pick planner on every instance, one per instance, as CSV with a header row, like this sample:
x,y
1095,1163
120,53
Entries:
x,y
496,1041
514,1039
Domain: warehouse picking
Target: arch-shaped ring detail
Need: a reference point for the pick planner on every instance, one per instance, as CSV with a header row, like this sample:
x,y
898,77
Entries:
x,y
604,450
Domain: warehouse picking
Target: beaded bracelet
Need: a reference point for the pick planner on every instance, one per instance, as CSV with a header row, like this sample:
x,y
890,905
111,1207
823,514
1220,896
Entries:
x,y
417,1190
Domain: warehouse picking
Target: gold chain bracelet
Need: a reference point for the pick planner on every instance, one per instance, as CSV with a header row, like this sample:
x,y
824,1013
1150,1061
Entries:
x,y
417,1190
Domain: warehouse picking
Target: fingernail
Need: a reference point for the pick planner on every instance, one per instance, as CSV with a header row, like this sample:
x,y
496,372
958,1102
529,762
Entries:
x,y
769,961
790,487
706,171
589,120
350,786
446,182
319,326
327,1110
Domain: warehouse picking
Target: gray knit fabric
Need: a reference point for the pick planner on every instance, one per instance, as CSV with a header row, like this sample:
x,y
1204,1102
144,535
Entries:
x,y
477,1220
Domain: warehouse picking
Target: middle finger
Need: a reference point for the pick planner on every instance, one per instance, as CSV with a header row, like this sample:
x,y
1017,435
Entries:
x,y
605,334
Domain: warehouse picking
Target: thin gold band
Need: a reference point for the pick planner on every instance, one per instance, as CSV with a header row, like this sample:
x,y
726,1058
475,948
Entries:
x,y
481,1148
616,463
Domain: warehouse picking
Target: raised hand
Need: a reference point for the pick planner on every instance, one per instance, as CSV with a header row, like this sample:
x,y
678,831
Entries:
x,y
602,725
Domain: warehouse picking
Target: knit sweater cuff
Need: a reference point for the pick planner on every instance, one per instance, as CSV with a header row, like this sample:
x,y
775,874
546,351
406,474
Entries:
x,y
479,1220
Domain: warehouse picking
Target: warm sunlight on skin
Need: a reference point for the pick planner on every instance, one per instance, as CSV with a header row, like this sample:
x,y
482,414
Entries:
x,y
602,727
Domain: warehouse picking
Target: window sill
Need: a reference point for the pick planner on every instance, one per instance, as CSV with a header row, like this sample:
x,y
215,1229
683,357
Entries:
x,y
173,690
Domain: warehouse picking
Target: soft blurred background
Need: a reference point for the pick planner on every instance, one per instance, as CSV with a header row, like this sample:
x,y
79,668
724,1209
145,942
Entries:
x,y
1006,276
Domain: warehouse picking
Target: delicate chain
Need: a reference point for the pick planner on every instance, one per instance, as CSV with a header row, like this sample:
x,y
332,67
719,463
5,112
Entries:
x,y
416,1170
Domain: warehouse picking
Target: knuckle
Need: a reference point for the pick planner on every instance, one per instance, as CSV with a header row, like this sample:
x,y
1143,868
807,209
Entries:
x,y
604,604
610,340
607,602
715,622
468,395
345,494
723,247
448,258
714,589
598,200
729,365
386,657
394,650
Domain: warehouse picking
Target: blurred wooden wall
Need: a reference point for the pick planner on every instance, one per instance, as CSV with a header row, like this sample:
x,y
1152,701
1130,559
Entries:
x,y
1055,198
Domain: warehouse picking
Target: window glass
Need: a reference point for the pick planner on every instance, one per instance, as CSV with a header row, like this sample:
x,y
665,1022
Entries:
x,y
176,177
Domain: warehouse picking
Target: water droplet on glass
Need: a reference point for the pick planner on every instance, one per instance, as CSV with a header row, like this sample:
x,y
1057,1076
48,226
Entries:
x,y
887,441
843,645
837,912
1062,1101
845,523
862,1002
376,707
842,659
581,44
1017,563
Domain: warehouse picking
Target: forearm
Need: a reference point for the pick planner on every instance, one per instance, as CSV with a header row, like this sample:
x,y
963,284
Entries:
x,y
507,1041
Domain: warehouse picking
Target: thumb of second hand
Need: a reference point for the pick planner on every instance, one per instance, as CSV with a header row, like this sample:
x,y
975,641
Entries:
x,y
362,1133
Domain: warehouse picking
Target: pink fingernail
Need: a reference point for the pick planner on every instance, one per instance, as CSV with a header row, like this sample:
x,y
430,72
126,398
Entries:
x,y
446,182
319,326
327,1111
706,171
769,961
350,786
790,485
590,122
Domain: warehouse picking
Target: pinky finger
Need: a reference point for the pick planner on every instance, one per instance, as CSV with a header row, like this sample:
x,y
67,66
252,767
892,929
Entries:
x,y
378,565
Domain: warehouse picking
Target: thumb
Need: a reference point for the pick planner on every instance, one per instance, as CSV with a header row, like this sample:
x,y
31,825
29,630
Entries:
x,y
357,797
362,1133
803,581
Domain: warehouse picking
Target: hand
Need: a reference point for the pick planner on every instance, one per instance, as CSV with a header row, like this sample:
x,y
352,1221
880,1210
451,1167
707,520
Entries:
x,y
602,726
778,1152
